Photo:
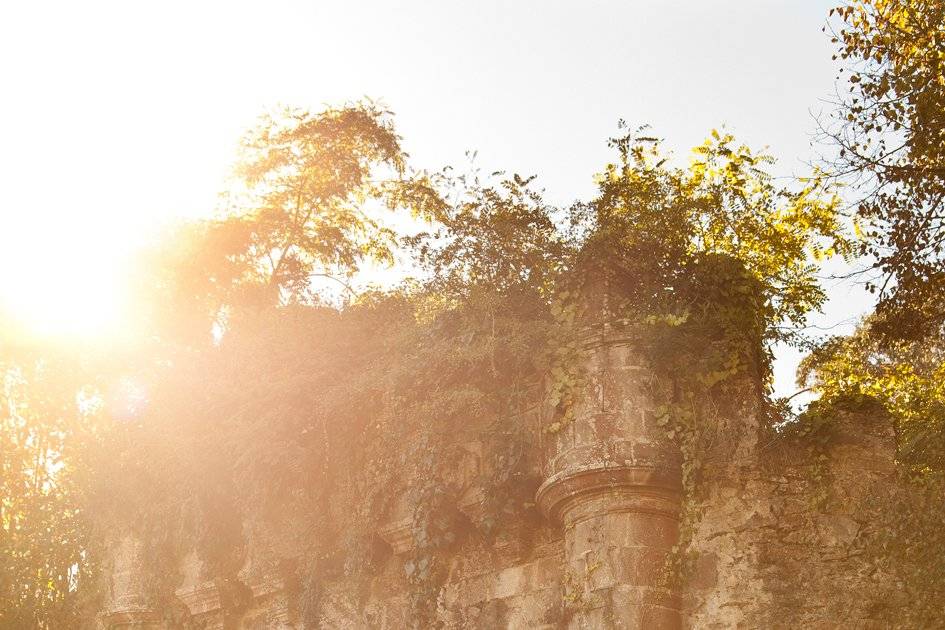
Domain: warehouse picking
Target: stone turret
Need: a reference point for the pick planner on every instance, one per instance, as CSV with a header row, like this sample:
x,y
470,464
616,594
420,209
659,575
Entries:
x,y
613,481
127,604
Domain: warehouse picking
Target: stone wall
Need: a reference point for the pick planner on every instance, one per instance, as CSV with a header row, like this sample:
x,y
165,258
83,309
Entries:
x,y
786,535
777,532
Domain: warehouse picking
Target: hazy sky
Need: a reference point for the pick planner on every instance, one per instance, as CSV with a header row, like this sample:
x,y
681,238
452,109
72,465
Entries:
x,y
118,116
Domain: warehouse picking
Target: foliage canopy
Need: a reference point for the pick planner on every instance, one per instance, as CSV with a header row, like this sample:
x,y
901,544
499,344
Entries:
x,y
890,134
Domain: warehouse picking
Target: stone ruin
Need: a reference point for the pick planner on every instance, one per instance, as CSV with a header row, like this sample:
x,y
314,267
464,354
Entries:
x,y
761,547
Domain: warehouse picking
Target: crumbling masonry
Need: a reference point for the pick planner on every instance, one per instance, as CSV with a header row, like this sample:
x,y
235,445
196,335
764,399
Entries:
x,y
777,534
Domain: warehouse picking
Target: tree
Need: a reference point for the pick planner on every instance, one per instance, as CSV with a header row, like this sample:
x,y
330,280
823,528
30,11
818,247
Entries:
x,y
501,236
890,134
657,223
905,377
307,178
306,202
46,546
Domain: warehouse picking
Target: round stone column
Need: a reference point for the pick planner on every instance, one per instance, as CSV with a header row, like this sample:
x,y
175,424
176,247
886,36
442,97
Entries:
x,y
127,604
612,480
132,619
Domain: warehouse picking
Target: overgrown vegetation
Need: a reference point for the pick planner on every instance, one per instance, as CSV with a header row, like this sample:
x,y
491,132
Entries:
x,y
46,543
303,400
260,419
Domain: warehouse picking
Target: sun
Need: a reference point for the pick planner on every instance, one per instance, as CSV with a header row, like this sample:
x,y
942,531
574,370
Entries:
x,y
69,234
62,282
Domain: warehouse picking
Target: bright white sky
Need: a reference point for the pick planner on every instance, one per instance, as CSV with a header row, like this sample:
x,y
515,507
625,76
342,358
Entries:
x,y
117,117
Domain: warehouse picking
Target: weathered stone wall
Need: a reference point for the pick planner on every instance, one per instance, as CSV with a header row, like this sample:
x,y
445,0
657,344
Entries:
x,y
788,534
778,532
